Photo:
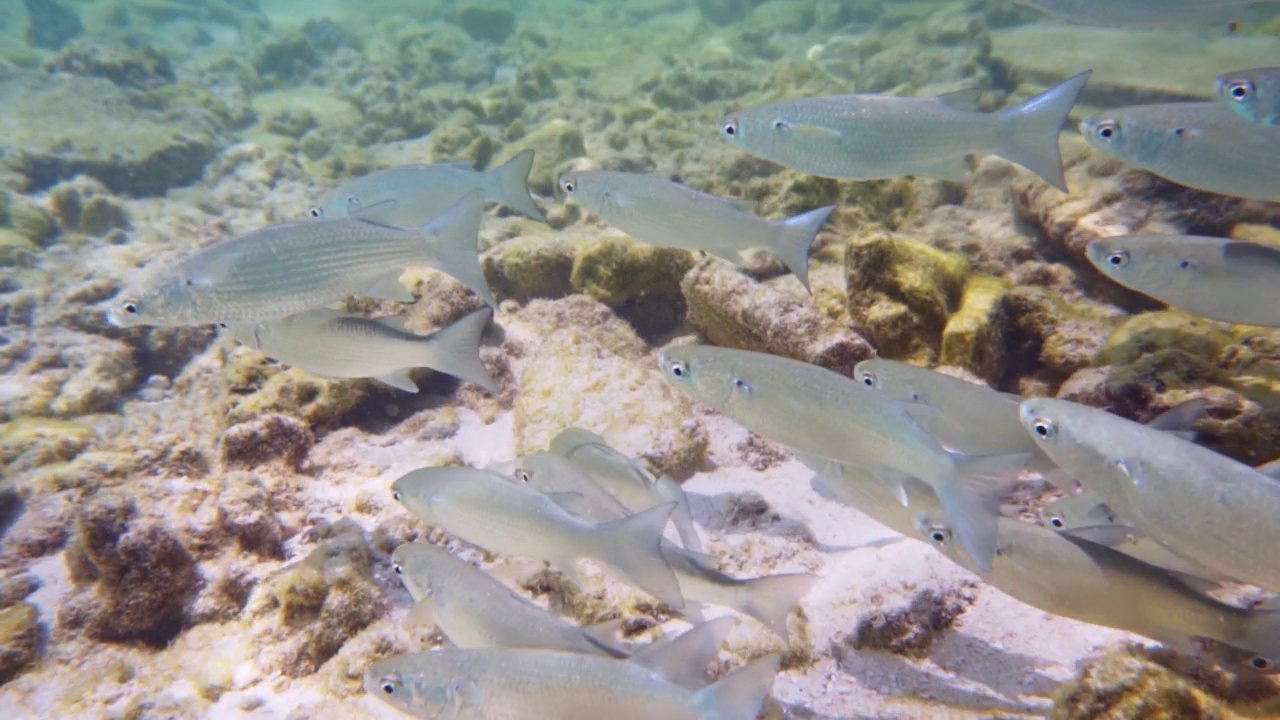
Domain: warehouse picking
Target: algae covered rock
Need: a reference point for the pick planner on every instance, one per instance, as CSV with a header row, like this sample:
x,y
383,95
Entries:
x,y
538,265
574,380
911,630
1048,338
19,639
901,293
614,270
973,337
553,143
30,442
1127,687
735,311
259,387
266,438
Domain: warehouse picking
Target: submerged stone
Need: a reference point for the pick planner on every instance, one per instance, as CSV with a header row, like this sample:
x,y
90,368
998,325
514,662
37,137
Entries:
x,y
19,639
52,24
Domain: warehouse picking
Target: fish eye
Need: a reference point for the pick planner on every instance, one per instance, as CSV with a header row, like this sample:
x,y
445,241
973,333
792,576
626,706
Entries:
x,y
1260,663
130,307
397,568
316,212
1119,258
222,325
1044,429
868,379
1186,264
938,536
1108,129
730,128
396,496
390,686
678,370
523,475
1057,523
568,185
1241,90
743,385
781,125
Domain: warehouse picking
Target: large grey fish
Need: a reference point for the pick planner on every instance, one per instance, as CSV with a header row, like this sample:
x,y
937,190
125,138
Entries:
x,y
1201,145
1093,583
1253,94
1143,12
818,412
286,269
487,509
474,610
458,684
626,479
337,344
869,137
1216,278
769,599
1201,505
655,210
412,195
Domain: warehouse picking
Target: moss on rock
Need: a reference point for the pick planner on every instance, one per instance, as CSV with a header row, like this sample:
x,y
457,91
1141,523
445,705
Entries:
x,y
531,266
614,270
973,337
19,639
1127,687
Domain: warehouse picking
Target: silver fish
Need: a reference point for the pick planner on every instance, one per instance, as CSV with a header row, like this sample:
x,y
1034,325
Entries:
x,y
287,269
487,509
573,489
1216,278
412,195
541,684
780,399
1200,145
626,479
1253,94
1092,583
1143,12
655,210
1201,505
337,344
474,610
869,137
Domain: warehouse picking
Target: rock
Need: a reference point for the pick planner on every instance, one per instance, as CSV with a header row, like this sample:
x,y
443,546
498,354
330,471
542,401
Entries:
x,y
15,248
286,59
1047,338
1126,687
259,387
19,639
912,630
85,205
973,337
266,438
573,380
143,579
145,153
614,270
487,22
901,293
142,68
544,317
52,24
15,589
304,613
29,220
98,373
292,122
30,442
554,143
734,311
247,514
531,266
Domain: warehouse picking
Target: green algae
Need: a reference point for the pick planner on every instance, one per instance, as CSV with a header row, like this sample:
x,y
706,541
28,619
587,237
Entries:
x,y
972,338
614,270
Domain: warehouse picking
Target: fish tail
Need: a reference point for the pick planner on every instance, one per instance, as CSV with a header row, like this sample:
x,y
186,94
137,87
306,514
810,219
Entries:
x,y
742,693
793,239
1029,131
453,244
511,182
972,500
456,350
633,546
683,659
771,599
670,491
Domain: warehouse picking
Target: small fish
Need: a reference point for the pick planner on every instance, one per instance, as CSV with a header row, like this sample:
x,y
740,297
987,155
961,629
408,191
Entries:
x,y
575,491
1200,145
1236,660
869,137
818,412
1216,278
1201,505
337,344
1150,13
655,210
474,610
286,269
1092,583
1253,94
458,684
626,479
413,195
487,509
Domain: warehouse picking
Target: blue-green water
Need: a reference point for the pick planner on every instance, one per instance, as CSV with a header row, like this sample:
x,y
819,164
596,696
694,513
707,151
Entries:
x,y
191,529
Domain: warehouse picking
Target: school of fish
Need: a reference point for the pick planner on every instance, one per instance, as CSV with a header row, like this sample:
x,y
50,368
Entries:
x,y
1150,522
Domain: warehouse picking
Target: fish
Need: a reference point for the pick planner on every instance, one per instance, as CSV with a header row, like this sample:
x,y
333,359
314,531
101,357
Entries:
x,y
576,491
1199,504
626,479
413,195
471,684
1202,145
486,509
338,344
1093,583
1253,94
474,610
655,210
1216,278
871,137
286,269
1150,13
818,412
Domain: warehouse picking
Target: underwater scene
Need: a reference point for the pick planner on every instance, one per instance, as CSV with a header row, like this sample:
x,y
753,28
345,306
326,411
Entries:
x,y
639,359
